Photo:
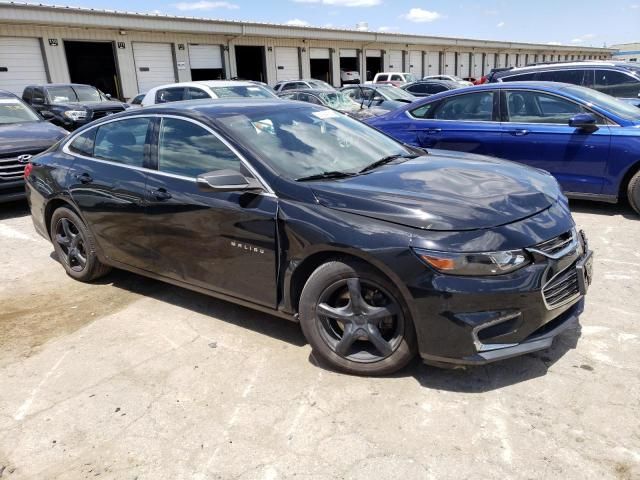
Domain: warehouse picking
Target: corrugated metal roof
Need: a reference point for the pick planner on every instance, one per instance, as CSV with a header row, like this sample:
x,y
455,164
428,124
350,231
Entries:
x,y
271,29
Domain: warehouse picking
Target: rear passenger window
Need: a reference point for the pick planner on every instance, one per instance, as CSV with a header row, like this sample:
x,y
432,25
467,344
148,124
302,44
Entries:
x,y
535,107
617,84
475,107
383,78
396,78
522,77
167,95
423,111
189,150
122,141
574,77
197,94
83,144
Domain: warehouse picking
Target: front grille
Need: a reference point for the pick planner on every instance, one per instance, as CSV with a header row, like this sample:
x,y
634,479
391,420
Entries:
x,y
556,244
10,167
562,289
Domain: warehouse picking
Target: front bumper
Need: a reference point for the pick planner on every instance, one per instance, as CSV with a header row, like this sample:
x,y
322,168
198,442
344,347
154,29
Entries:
x,y
477,320
10,191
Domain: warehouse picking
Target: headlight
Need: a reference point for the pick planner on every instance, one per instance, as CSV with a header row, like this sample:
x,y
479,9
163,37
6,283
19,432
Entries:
x,y
75,114
486,263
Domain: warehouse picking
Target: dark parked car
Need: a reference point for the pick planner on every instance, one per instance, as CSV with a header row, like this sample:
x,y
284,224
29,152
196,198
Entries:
x,y
70,105
304,84
590,141
23,134
384,97
618,79
379,250
426,88
333,99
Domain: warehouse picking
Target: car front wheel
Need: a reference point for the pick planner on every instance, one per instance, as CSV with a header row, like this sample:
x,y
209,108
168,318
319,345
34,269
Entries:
x,y
355,319
633,192
75,246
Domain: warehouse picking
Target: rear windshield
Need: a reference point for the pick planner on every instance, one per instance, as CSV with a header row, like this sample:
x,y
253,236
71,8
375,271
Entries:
x,y
82,94
236,91
606,102
395,93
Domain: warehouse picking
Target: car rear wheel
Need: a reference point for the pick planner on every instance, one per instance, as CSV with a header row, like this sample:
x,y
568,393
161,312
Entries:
x,y
75,246
355,319
633,192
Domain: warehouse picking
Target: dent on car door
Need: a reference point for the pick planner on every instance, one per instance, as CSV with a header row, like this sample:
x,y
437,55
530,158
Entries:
x,y
536,132
107,183
222,241
465,123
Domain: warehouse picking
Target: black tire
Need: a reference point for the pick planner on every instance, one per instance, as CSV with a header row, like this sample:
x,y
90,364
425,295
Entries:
x,y
633,192
350,336
75,246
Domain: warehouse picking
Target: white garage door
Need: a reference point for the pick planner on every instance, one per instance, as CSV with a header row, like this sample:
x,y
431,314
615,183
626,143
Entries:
x,y
287,63
433,64
450,63
489,61
502,60
476,66
395,60
154,65
348,53
205,56
21,63
319,53
463,64
415,63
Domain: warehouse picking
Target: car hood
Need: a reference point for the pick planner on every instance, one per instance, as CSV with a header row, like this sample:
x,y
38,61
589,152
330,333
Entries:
x,y
444,191
28,137
110,105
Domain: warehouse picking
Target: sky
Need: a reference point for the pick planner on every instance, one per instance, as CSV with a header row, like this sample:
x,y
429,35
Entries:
x,y
569,22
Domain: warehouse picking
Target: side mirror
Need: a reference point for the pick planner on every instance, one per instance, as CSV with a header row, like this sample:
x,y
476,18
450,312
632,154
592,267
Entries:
x,y
47,115
586,121
108,95
226,181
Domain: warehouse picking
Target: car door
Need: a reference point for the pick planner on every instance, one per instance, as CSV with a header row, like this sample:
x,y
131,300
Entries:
x,y
108,184
465,123
221,241
536,131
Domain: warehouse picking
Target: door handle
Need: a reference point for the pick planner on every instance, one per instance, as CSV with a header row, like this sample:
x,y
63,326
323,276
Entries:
x,y
84,177
433,130
520,133
160,194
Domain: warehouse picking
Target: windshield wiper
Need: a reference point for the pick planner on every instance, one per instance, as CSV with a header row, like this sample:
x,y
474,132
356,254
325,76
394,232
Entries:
x,y
384,161
325,175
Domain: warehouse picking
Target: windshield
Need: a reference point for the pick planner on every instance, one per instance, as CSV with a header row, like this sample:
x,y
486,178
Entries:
x,y
394,93
606,102
309,140
339,101
410,77
77,93
235,91
13,110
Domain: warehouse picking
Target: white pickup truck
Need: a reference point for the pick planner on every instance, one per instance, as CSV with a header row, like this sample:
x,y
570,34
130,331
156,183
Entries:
x,y
394,78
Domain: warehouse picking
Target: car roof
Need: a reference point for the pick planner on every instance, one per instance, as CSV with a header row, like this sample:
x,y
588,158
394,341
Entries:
x,y
560,65
209,83
47,85
435,81
220,107
309,90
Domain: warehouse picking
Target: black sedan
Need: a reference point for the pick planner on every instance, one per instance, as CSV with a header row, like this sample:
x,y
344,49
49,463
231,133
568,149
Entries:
x,y
426,88
379,250
23,133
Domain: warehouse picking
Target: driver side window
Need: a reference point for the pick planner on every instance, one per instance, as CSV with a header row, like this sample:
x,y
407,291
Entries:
x,y
187,149
537,107
472,107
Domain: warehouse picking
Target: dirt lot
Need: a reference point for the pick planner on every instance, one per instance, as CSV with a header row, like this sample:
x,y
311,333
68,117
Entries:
x,y
134,379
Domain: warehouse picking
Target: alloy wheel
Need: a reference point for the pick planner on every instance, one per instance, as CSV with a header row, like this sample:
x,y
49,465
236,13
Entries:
x,y
359,320
72,244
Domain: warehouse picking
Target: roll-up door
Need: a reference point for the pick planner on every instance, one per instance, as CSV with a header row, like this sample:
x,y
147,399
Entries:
x,y
205,56
502,60
415,63
490,62
319,53
463,64
395,60
348,53
450,63
476,66
154,65
287,63
433,64
21,63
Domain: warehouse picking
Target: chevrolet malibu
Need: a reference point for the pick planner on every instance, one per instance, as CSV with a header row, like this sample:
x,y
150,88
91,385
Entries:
x,y
379,250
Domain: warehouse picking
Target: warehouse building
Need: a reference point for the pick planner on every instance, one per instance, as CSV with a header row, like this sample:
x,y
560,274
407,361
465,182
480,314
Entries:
x,y
627,52
126,53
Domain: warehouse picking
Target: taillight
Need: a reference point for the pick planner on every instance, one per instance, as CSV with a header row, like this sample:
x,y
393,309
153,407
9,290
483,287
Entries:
x,y
27,170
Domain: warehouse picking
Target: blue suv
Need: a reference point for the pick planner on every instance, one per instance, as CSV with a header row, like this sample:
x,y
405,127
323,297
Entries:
x,y
588,140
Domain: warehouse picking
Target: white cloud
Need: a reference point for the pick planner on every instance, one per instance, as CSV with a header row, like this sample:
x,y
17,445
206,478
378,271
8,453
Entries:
x,y
554,43
344,3
500,24
419,15
296,22
583,38
634,6
203,5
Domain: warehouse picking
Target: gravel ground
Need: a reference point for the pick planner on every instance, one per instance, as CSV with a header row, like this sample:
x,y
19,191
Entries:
x,y
134,379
